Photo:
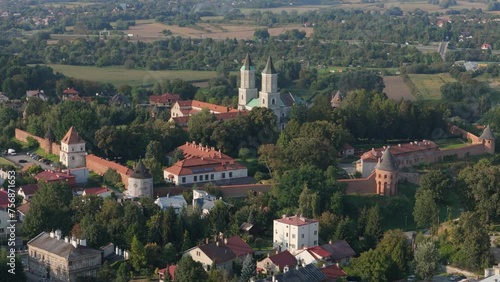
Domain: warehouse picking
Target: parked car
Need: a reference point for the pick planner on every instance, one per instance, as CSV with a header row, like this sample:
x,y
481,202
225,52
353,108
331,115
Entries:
x,y
42,160
11,152
47,162
411,278
29,153
22,161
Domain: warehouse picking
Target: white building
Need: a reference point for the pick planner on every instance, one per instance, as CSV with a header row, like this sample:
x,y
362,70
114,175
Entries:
x,y
72,153
295,232
204,201
176,202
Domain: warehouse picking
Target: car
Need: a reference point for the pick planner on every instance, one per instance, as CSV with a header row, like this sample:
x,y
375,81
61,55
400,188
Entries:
x,y
411,278
47,162
29,153
33,156
22,161
42,160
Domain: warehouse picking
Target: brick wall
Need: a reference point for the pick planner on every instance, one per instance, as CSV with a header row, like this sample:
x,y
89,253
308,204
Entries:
x,y
45,144
455,130
471,150
100,166
240,191
360,185
411,177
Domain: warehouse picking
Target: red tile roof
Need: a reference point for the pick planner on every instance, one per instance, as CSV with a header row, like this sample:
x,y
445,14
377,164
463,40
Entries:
x,y
24,208
95,191
193,150
4,200
191,166
238,246
339,249
201,105
296,220
29,189
400,149
284,259
27,166
333,272
319,252
50,175
72,137
164,98
171,271
71,91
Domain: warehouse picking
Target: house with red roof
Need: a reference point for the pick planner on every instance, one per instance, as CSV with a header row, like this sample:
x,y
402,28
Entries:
x,y
332,273
295,232
27,191
102,192
191,107
338,252
486,46
162,273
70,94
165,100
4,200
49,176
203,164
23,210
279,262
221,253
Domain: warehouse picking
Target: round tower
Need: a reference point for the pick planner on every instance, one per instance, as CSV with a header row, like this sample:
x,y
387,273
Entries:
x,y
488,140
140,182
50,137
386,175
336,101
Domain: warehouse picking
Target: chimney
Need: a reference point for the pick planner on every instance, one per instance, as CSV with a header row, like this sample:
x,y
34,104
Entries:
x,y
276,251
83,242
52,234
399,145
225,241
330,242
206,241
116,250
58,234
283,215
217,243
74,243
273,279
66,239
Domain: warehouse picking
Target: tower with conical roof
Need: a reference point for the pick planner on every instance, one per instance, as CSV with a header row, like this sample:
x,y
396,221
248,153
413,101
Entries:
x,y
336,101
72,153
140,182
386,174
269,96
247,90
50,137
488,140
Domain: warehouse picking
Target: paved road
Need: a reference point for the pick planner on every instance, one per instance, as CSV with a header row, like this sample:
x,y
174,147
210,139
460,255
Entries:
x,y
443,47
22,156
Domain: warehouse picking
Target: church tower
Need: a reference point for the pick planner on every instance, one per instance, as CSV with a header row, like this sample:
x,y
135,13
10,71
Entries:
x,y
386,175
488,140
247,90
269,96
72,153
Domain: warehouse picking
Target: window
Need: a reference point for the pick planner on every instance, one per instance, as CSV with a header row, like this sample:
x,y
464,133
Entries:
x,y
293,246
223,175
72,149
230,174
287,245
273,101
206,176
315,232
385,176
315,242
2,230
293,236
198,253
301,246
263,101
276,231
72,158
242,97
195,178
212,176
302,236
184,180
286,234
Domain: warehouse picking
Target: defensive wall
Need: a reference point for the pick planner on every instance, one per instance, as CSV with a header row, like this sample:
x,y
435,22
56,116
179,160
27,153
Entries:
x,y
48,146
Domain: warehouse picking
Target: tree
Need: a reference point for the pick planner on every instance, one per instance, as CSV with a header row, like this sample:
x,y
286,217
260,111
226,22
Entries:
x,y
111,177
261,34
122,275
7,265
373,265
244,153
189,270
327,225
106,273
373,229
426,259
248,271
49,210
308,203
395,245
438,183
426,210
201,126
137,254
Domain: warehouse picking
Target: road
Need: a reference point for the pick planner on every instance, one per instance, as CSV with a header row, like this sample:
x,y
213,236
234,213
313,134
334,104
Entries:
x,y
443,47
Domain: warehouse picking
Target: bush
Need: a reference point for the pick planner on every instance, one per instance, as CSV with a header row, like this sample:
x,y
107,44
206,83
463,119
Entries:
x,y
111,177
259,243
261,176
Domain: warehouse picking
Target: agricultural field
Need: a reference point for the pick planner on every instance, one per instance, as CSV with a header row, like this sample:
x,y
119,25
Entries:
x,y
298,9
69,5
429,85
120,75
396,89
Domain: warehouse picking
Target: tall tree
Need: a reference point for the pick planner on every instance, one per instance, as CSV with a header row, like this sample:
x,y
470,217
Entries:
x,y
438,182
426,259
395,245
426,211
137,254
189,270
373,229
248,270
308,203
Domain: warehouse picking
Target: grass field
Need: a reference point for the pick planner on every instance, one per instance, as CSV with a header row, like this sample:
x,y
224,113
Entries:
x,y
396,88
452,143
118,75
429,85
4,161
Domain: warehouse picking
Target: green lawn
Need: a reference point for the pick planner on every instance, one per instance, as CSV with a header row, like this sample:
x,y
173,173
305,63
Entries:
x,y
452,143
41,152
4,161
118,75
429,85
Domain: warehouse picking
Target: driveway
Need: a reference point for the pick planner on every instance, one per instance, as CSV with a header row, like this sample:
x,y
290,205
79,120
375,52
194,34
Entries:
x,y
22,156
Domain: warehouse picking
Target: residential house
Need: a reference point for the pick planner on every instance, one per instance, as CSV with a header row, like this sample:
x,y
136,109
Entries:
x,y
162,272
70,94
27,191
120,100
279,262
102,192
36,94
165,100
486,46
23,210
336,100
203,164
177,202
312,255
332,272
4,200
191,107
204,201
295,232
308,273
341,252
249,228
56,176
62,259
4,223
495,270
221,253
347,151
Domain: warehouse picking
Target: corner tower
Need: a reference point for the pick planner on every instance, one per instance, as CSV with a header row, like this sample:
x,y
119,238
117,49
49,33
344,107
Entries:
x,y
269,96
50,137
247,90
72,153
488,140
386,175
140,182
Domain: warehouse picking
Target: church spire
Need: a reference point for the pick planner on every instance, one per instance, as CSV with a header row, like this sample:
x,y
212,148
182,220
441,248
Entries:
x,y
269,69
247,64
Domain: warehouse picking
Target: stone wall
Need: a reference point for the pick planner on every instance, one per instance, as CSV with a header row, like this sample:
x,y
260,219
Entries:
x,y
360,185
411,177
454,270
100,166
464,152
46,145
455,130
240,191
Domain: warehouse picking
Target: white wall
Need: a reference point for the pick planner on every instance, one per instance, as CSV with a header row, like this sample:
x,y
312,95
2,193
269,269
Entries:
x,y
190,179
284,234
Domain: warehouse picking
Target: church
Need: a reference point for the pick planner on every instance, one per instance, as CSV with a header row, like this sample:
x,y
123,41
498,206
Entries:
x,y
269,96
